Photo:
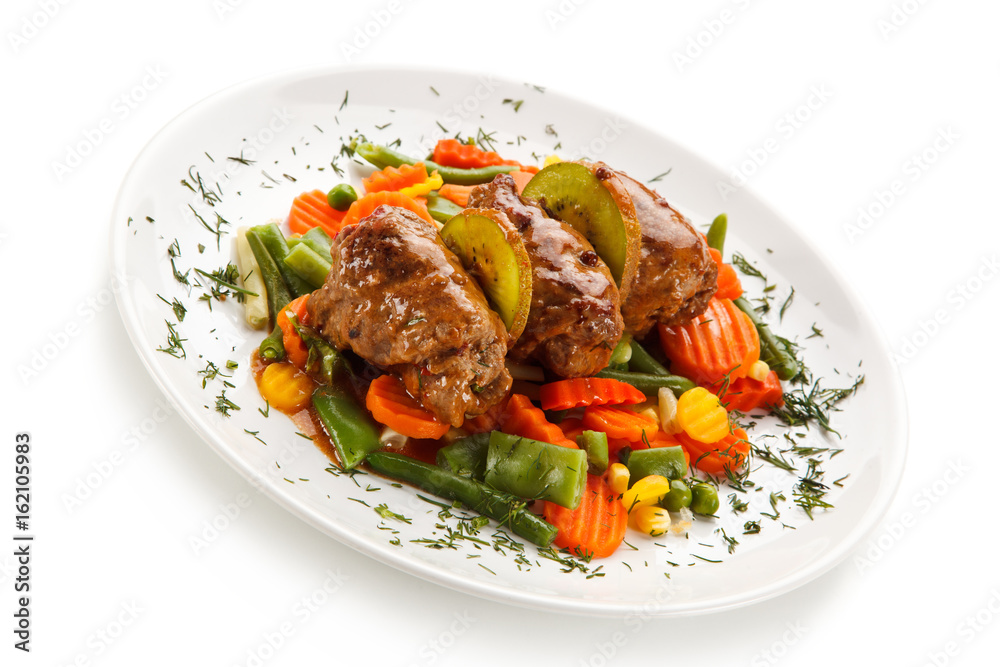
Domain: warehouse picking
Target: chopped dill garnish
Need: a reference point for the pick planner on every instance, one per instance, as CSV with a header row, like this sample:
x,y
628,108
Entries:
x,y
434,90
344,103
177,306
751,527
223,404
384,512
656,179
225,284
786,304
174,348
514,103
804,406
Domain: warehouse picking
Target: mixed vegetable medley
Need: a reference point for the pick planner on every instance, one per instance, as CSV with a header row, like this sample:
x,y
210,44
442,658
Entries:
x,y
645,440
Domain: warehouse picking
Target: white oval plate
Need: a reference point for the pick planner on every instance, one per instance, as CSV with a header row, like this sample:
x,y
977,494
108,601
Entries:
x,y
293,124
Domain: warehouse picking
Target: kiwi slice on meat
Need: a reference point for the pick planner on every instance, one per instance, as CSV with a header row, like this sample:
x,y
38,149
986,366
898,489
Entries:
x,y
492,251
592,199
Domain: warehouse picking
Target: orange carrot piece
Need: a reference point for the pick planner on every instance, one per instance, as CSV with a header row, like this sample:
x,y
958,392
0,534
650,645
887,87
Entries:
x,y
389,404
488,421
746,394
522,176
720,341
295,348
731,452
571,428
596,527
524,419
581,392
366,205
619,422
310,209
459,194
728,283
395,178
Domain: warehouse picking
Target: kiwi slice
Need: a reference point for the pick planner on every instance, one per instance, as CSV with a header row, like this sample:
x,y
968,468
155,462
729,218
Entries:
x,y
593,200
491,250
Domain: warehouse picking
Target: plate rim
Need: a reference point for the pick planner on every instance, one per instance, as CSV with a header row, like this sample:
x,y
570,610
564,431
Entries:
x,y
895,455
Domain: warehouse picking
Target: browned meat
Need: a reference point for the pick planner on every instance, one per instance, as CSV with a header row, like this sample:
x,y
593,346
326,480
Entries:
x,y
676,276
401,300
575,321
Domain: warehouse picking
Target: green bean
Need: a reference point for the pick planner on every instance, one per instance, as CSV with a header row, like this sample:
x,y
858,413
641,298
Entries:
x,y
308,265
277,291
442,209
622,352
274,241
351,428
717,232
666,462
383,157
648,383
595,443
319,241
340,197
642,361
532,469
502,507
272,348
772,351
466,456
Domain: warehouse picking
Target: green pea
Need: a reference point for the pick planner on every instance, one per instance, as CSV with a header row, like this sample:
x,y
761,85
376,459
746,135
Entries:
x,y
678,497
341,197
704,499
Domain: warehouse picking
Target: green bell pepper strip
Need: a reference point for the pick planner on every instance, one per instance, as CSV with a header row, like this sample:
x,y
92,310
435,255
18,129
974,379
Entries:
x,y
648,383
351,428
533,469
477,496
383,157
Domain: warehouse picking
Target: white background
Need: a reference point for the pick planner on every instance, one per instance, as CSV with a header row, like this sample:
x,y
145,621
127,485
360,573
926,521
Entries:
x,y
910,596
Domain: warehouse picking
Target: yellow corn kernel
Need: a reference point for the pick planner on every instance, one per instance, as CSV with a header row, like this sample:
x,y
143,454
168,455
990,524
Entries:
x,y
701,415
759,370
647,491
433,182
618,478
551,159
668,411
285,387
650,519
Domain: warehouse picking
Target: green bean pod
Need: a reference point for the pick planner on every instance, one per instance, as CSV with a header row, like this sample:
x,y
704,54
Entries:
x,y
502,507
318,240
308,265
716,235
772,351
274,241
532,469
666,462
642,361
648,383
442,209
351,428
278,295
272,348
466,456
383,157
595,443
